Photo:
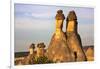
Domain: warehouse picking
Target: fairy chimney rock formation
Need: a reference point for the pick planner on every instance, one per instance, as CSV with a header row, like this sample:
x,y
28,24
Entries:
x,y
71,22
40,50
30,57
73,38
31,48
59,22
58,50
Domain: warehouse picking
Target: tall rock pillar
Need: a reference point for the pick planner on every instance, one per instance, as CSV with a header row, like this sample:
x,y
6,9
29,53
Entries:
x,y
73,38
58,50
59,23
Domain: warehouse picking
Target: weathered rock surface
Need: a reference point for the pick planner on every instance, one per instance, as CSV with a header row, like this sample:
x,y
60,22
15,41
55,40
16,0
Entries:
x,y
40,50
74,43
65,47
90,54
58,50
73,38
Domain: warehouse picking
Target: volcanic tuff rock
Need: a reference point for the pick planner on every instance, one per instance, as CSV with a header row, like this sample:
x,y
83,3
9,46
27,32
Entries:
x,y
73,38
66,47
58,50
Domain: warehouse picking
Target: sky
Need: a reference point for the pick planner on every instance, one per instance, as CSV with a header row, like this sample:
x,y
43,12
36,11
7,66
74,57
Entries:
x,y
36,23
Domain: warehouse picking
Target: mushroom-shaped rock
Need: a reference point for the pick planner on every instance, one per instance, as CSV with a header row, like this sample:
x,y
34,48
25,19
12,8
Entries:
x,y
60,15
31,48
41,45
73,38
71,16
40,49
59,22
31,56
58,50
71,22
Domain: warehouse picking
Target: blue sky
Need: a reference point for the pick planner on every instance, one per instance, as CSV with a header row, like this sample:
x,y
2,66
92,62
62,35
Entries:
x,y
36,23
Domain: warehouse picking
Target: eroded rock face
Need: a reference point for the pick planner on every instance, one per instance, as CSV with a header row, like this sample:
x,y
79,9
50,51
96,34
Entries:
x,y
31,48
60,15
66,47
58,50
40,50
71,22
30,56
73,38
90,54
59,21
71,16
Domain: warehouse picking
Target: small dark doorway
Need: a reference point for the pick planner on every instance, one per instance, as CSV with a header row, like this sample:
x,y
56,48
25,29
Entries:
x,y
75,54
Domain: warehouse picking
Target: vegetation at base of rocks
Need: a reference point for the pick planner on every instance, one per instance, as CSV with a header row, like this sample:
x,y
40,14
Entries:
x,y
42,60
34,60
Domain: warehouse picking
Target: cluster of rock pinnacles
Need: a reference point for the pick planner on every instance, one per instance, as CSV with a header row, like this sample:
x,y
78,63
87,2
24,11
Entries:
x,y
66,46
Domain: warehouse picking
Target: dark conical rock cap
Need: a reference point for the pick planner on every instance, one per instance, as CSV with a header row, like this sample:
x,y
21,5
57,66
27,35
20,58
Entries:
x,y
41,45
59,11
60,15
71,16
32,46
